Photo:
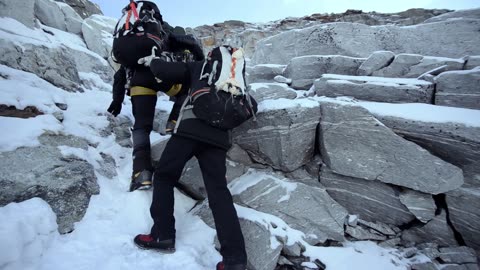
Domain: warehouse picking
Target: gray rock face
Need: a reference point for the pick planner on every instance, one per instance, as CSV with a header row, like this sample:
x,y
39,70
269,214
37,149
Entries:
x,y
434,39
375,88
354,143
435,231
264,73
472,62
360,233
464,209
459,89
65,183
84,8
305,69
22,11
375,61
58,15
460,255
262,254
453,142
467,13
305,208
282,138
264,91
371,200
97,31
420,204
414,65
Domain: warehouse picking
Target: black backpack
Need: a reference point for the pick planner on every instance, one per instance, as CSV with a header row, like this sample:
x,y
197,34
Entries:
x,y
226,103
137,32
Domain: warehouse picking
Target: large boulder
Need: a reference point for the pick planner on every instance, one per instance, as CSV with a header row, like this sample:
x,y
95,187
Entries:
x,y
269,91
354,143
84,8
65,182
58,15
375,88
436,231
305,69
358,40
375,61
22,11
371,200
414,65
420,204
98,34
459,89
305,208
282,137
264,73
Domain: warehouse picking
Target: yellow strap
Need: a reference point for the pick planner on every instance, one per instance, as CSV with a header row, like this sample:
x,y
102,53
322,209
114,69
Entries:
x,y
142,91
174,90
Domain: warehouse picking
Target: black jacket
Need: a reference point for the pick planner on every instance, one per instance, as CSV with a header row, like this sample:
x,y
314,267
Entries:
x,y
188,125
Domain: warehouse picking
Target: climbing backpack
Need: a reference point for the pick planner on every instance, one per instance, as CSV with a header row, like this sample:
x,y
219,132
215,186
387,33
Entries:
x,y
137,32
226,102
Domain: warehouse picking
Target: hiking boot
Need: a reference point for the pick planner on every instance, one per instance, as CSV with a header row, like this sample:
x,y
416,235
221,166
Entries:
x,y
223,266
141,180
146,241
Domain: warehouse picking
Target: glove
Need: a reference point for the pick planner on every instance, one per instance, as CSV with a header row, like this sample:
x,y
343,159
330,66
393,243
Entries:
x,y
148,59
115,108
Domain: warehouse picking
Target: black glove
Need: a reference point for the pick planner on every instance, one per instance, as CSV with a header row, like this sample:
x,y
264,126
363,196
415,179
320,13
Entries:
x,y
115,108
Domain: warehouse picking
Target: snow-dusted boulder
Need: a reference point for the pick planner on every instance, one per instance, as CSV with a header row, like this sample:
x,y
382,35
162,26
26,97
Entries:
x,y
305,208
85,8
65,182
436,231
58,15
375,88
283,136
466,13
270,91
472,62
22,11
358,40
375,61
305,69
371,200
459,89
264,73
98,34
354,143
414,65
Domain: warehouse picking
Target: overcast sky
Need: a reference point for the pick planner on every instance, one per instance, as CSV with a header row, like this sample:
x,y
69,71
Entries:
x,y
193,13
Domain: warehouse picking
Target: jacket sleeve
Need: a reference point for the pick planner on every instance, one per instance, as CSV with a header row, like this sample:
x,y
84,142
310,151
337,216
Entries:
x,y
119,81
188,42
174,72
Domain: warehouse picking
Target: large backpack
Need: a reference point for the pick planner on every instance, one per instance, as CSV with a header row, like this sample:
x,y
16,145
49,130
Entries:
x,y
137,32
226,103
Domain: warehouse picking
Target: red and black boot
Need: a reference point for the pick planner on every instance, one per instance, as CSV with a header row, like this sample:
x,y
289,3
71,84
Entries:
x,y
223,266
146,241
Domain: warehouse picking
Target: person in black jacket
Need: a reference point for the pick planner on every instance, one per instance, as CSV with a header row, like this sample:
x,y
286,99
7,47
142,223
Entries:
x,y
193,137
142,87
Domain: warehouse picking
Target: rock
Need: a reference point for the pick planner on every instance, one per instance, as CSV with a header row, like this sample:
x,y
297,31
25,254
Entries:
x,y
65,183
264,91
22,11
375,88
98,34
459,89
376,61
58,15
464,213
466,13
120,126
262,254
371,200
433,39
420,204
237,154
305,208
354,143
264,73
360,233
472,62
305,69
424,266
436,231
379,227
414,65
458,255
73,21
107,166
303,176
284,137
391,243
292,250
281,79
84,8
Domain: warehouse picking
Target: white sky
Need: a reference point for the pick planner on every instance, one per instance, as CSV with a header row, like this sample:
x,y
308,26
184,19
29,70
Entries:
x,y
194,13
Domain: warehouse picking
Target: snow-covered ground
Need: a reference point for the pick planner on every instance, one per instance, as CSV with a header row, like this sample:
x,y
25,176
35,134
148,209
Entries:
x,y
103,239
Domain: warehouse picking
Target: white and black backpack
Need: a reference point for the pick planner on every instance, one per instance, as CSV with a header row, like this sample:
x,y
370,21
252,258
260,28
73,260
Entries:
x,y
137,32
226,103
